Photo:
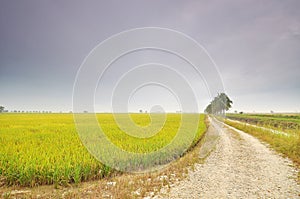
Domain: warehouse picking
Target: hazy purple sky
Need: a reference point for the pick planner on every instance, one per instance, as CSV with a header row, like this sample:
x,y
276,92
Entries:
x,y
255,44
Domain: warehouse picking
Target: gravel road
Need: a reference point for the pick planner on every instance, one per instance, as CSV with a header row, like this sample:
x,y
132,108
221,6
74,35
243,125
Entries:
x,y
239,167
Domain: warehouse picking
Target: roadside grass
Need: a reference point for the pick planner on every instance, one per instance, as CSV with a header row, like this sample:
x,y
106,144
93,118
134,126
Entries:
x,y
235,134
286,145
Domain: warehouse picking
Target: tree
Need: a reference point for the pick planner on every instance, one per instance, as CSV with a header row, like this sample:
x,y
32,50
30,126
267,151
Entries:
x,y
208,109
225,102
1,109
219,104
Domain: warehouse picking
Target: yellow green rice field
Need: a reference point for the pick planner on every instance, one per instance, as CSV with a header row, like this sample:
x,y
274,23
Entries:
x,y
41,149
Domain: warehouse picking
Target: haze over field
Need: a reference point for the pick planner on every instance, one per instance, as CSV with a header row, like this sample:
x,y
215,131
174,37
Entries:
x,y
255,44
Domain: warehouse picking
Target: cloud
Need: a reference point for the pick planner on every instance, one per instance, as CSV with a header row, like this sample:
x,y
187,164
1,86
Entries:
x,y
256,44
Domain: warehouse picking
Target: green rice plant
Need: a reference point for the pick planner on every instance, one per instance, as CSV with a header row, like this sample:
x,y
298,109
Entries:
x,y
38,149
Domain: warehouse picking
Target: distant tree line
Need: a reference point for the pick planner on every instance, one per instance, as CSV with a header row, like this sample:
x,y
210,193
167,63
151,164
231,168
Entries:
x,y
219,104
3,110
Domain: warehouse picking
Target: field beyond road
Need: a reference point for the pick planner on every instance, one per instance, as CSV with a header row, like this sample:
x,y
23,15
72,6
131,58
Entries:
x,y
41,149
284,122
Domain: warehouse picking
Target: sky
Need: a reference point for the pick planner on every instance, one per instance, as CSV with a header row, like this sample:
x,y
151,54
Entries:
x,y
254,44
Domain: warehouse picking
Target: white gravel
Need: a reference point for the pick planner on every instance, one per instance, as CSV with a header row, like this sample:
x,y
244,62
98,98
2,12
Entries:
x,y
239,167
